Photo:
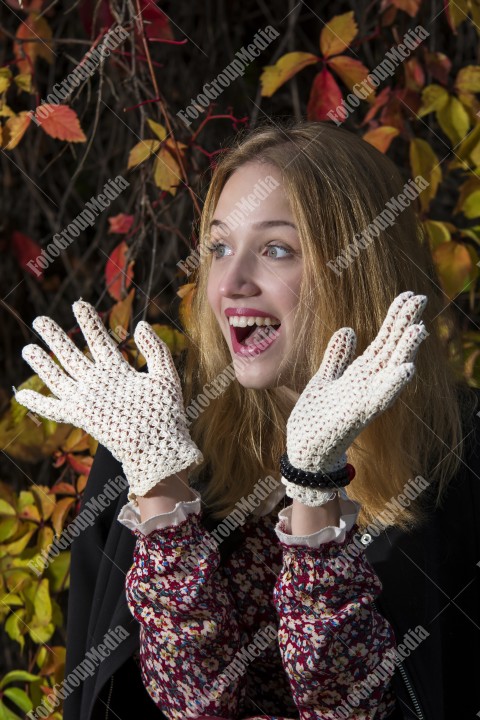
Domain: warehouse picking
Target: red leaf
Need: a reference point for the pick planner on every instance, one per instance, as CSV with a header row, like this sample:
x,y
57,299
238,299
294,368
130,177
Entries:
x,y
325,95
60,122
26,249
120,223
116,269
155,21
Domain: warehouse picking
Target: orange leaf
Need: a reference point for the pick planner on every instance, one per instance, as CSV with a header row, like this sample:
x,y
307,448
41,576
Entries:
x,y
382,98
337,34
351,72
80,463
186,293
273,76
325,96
30,30
61,123
116,269
120,224
381,137
60,513
15,128
63,488
454,266
408,6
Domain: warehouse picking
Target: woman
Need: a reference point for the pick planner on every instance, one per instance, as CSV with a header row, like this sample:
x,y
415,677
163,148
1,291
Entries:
x,y
330,606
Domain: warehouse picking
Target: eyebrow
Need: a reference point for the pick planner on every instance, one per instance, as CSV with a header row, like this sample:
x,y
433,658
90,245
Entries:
x,y
264,224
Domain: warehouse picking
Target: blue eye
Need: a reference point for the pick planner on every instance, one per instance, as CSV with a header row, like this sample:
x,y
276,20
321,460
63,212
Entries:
x,y
216,246
281,248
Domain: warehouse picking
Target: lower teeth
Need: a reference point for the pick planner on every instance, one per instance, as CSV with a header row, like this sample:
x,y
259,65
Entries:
x,y
262,332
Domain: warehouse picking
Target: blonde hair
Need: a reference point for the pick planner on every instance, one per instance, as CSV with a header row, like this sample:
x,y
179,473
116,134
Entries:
x,y
337,184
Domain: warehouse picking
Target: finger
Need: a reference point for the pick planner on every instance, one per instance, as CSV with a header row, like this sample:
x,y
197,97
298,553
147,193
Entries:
x,y
390,386
47,407
156,353
101,344
74,361
339,353
408,315
392,313
408,345
48,371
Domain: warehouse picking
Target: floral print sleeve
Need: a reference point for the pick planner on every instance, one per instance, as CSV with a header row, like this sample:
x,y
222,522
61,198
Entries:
x,y
199,616
331,637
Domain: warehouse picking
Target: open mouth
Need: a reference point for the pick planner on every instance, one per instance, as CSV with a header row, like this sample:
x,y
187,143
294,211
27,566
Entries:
x,y
253,339
253,334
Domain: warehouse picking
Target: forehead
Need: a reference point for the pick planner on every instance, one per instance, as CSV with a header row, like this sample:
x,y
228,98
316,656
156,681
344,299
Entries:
x,y
253,193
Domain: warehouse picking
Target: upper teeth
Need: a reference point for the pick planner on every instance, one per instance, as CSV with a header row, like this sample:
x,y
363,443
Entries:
x,y
243,321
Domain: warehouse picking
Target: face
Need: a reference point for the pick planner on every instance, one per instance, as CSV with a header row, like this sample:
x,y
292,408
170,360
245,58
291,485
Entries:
x,y
255,272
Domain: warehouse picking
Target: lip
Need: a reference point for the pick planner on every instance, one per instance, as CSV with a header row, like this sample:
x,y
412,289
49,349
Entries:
x,y
252,350
248,311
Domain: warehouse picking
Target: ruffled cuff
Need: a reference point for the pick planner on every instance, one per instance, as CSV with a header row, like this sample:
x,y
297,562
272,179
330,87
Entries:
x,y
349,510
130,516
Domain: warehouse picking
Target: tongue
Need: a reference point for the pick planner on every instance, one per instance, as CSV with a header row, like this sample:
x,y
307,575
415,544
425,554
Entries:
x,y
258,334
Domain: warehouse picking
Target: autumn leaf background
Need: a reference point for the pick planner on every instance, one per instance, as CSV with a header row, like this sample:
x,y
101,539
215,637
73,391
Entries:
x,y
122,120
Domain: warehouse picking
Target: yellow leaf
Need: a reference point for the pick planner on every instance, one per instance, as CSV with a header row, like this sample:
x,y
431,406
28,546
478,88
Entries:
x,y
351,72
468,79
42,604
24,82
166,172
454,120
458,11
5,78
424,162
6,111
273,76
141,151
455,267
6,509
434,97
438,233
15,128
120,316
337,34
471,206
158,129
15,627
468,147
45,500
381,137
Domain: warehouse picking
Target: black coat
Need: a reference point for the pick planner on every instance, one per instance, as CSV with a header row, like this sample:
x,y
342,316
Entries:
x,y
430,577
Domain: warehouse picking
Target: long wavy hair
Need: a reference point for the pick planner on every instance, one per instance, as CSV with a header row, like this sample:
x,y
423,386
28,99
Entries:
x,y
337,184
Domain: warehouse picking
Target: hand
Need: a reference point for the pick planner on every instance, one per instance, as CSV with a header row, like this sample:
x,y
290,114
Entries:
x,y
338,403
138,416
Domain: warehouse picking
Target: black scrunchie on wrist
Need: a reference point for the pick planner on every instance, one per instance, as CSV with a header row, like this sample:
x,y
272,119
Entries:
x,y
335,479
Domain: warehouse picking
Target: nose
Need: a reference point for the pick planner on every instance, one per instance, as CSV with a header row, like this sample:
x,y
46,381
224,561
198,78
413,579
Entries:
x,y
238,277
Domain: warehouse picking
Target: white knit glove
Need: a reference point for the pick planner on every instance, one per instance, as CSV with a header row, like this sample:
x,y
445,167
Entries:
x,y
340,401
138,416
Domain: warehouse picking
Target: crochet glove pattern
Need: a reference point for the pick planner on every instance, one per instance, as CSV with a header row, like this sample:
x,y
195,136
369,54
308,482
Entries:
x,y
138,416
340,401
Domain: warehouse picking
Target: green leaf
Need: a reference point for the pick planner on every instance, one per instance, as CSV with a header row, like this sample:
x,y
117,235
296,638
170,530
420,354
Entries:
x,y
6,714
42,603
14,675
471,206
20,698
